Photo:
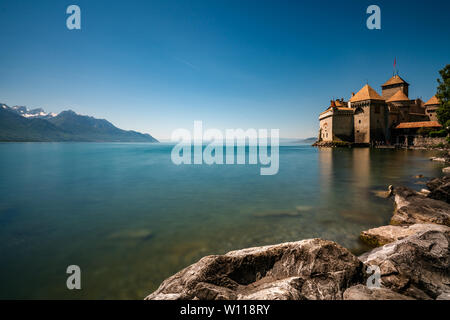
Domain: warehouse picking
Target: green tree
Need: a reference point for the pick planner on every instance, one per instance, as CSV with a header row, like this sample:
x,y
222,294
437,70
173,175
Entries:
x,y
443,94
424,131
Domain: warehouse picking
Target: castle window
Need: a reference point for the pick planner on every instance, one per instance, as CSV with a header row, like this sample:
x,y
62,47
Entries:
x,y
359,121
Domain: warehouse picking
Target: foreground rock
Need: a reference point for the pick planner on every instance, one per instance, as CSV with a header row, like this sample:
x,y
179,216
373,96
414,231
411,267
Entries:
x,y
386,234
439,189
308,269
414,261
437,182
362,292
438,159
412,207
417,266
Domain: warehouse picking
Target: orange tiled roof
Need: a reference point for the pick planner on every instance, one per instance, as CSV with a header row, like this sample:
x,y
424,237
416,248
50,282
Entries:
x,y
339,108
366,93
398,96
394,80
432,101
420,124
328,109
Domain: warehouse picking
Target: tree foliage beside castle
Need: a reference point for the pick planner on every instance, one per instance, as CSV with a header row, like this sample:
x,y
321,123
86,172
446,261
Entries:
x,y
443,94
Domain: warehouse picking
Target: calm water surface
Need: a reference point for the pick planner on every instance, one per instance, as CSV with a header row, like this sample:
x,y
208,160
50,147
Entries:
x,y
130,218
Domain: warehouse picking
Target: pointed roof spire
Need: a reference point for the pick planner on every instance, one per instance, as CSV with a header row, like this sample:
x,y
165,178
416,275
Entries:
x,y
395,79
433,101
366,93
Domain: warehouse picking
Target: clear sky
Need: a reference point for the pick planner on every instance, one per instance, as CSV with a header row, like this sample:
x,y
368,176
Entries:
x,y
154,66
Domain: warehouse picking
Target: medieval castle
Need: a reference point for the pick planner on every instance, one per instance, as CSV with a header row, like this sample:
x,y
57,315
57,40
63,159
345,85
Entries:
x,y
368,118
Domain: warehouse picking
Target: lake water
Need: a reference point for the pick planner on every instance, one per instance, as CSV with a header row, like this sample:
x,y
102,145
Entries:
x,y
130,218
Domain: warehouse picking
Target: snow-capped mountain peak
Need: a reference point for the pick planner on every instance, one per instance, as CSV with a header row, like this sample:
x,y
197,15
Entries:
x,y
33,113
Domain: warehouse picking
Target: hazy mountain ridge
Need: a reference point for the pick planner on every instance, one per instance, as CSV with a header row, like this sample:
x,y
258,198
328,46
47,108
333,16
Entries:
x,y
310,140
307,140
20,124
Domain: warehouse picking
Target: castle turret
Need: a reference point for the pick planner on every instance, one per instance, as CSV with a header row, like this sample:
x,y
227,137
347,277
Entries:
x,y
336,122
370,116
431,106
392,86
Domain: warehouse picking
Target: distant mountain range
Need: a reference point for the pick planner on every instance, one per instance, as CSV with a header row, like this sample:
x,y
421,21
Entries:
x,y
34,113
298,141
20,124
307,140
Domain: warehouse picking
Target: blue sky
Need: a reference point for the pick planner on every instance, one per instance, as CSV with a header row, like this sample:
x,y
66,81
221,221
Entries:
x,y
155,66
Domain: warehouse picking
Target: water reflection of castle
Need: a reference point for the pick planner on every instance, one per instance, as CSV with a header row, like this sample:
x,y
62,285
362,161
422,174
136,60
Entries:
x,y
370,118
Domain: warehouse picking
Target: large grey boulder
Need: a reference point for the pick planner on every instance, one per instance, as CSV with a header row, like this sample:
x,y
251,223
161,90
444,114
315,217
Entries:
x,y
309,269
362,292
417,266
439,189
412,207
386,234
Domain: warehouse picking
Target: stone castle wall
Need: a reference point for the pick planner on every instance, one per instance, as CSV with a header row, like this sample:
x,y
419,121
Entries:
x,y
378,121
343,127
428,142
362,124
326,129
431,112
389,91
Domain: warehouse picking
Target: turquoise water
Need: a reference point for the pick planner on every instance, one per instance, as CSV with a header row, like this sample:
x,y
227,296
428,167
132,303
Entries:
x,y
130,218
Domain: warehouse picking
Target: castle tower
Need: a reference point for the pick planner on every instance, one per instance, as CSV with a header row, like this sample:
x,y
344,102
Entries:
x,y
370,116
431,106
394,84
401,103
336,122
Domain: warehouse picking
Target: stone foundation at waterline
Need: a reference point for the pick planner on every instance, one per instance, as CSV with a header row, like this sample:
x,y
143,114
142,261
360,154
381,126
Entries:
x,y
427,142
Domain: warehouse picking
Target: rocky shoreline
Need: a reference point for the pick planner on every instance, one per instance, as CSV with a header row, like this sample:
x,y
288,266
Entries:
x,y
412,255
339,144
